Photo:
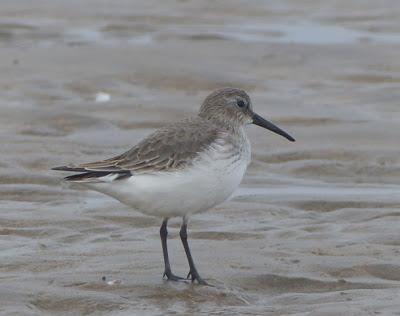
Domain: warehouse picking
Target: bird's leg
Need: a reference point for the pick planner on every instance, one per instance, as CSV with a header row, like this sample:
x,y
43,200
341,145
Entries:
x,y
163,234
193,274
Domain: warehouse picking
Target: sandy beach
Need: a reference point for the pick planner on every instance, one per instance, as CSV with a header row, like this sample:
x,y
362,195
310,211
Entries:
x,y
314,227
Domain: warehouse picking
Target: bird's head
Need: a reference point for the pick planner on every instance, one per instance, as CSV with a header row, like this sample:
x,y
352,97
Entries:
x,y
232,107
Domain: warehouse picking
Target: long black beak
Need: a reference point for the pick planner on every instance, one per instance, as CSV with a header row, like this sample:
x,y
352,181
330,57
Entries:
x,y
258,120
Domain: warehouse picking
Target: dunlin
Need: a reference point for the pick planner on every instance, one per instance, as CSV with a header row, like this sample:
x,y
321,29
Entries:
x,y
182,169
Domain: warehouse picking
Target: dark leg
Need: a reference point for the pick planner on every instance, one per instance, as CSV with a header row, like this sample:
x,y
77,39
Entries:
x,y
193,274
163,234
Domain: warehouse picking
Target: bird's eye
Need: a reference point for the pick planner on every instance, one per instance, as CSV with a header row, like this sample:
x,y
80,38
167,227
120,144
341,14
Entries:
x,y
241,103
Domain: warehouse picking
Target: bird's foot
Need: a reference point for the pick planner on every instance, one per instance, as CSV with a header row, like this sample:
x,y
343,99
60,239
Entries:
x,y
194,276
172,277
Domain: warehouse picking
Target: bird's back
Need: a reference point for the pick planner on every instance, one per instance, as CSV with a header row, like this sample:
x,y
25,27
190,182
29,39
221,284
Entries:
x,y
172,147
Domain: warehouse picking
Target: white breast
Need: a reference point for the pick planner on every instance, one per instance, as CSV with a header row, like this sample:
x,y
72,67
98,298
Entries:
x,y
212,178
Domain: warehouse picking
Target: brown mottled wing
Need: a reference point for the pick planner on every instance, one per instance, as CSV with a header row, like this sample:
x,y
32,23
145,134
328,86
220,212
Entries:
x,y
169,148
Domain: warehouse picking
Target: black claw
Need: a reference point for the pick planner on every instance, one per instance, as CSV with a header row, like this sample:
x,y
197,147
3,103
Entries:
x,y
172,277
194,276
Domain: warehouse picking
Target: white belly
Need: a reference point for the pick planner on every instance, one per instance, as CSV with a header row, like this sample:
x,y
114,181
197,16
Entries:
x,y
184,192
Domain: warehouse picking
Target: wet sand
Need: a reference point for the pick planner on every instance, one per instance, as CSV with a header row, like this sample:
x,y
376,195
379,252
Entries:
x,y
313,229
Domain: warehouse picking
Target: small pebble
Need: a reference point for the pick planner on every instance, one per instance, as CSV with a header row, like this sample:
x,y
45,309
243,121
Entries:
x,y
102,97
112,282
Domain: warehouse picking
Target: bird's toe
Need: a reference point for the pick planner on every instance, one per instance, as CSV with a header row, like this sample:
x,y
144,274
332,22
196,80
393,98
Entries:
x,y
194,276
172,277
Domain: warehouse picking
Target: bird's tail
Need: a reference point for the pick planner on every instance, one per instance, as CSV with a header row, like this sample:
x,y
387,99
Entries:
x,y
86,176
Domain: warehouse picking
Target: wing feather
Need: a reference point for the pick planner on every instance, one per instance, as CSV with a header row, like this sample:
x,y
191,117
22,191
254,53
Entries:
x,y
171,147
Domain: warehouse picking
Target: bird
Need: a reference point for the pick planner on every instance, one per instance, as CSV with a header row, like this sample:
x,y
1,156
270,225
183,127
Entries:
x,y
183,168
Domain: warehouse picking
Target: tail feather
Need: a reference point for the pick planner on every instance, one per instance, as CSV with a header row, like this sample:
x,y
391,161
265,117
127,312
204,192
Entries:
x,y
69,168
98,176
87,168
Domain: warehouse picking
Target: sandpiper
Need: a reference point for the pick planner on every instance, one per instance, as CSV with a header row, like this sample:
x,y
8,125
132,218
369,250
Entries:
x,y
182,169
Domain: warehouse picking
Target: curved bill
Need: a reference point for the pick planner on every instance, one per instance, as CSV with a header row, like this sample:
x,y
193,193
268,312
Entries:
x,y
258,120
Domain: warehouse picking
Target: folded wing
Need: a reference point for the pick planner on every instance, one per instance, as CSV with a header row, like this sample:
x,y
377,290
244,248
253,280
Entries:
x,y
170,148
